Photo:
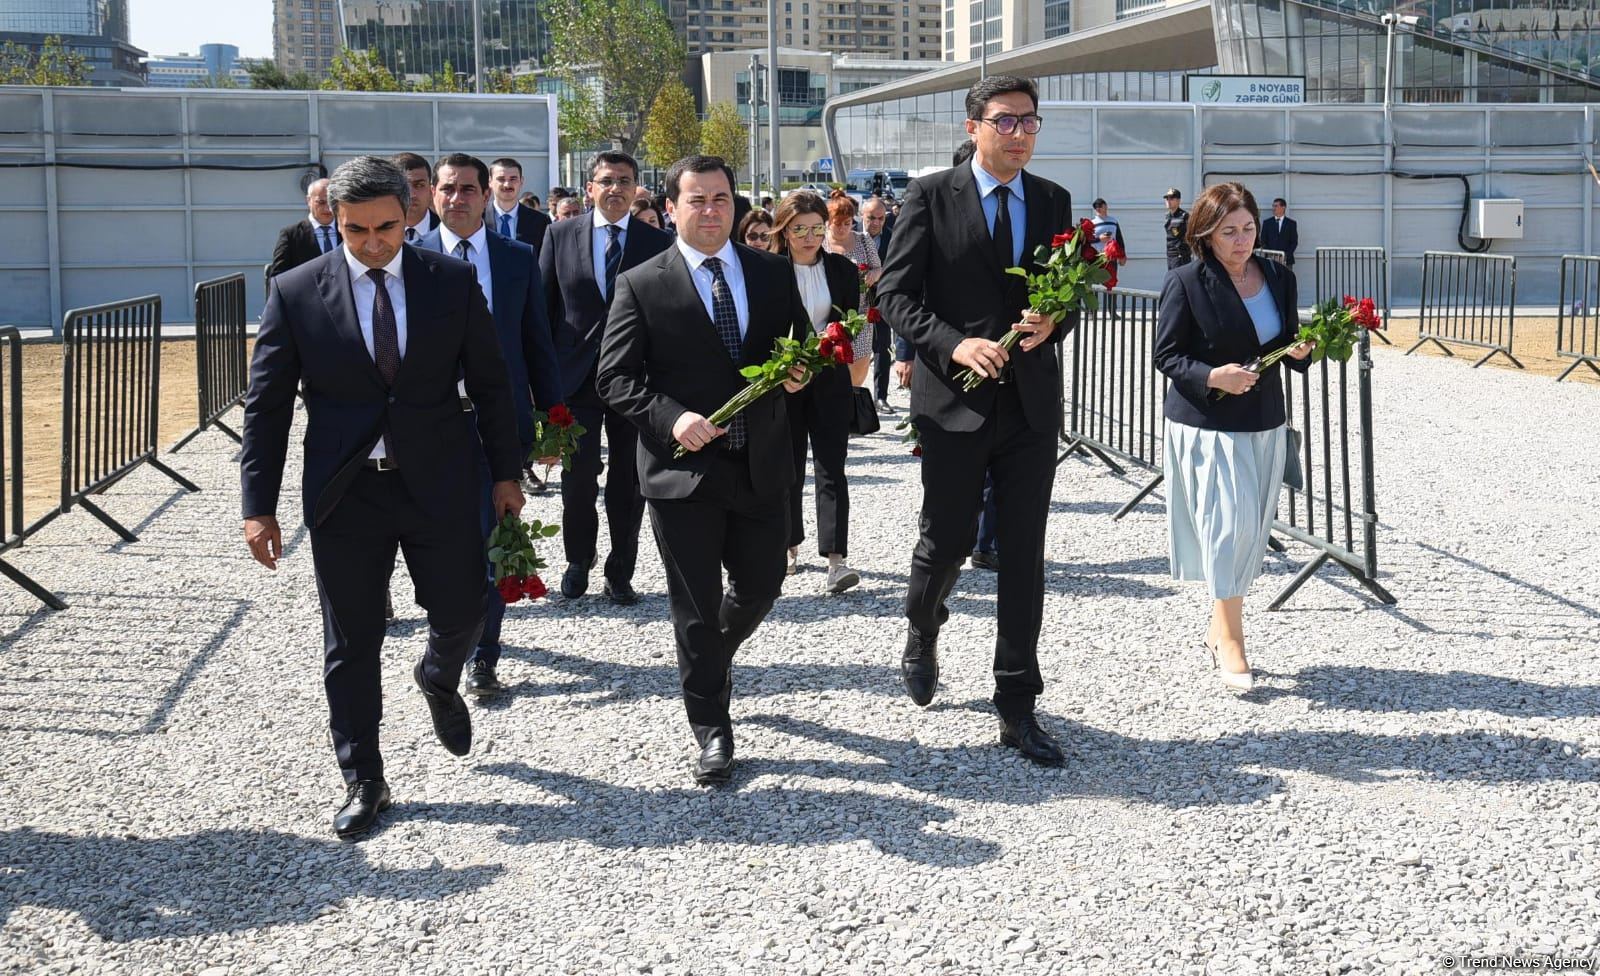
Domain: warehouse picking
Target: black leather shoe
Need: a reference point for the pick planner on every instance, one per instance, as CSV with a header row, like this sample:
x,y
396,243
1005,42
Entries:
x,y
1024,735
919,665
363,801
715,765
452,723
481,680
388,607
575,581
622,594
532,483
986,560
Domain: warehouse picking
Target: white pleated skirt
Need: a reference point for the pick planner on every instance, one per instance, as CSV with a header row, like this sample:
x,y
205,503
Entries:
x,y
1222,494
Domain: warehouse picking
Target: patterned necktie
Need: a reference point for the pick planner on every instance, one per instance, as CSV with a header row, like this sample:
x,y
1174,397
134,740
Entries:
x,y
505,225
725,315
463,249
1003,244
385,341
614,257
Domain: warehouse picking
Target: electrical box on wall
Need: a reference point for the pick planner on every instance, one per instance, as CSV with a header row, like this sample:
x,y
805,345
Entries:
x,y
1500,218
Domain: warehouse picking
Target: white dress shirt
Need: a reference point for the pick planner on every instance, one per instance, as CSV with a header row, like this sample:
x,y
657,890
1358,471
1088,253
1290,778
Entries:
x,y
364,292
813,281
1018,208
477,255
602,237
496,213
418,230
732,273
316,235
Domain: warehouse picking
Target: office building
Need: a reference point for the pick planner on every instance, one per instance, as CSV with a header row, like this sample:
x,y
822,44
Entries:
x,y
902,30
415,38
96,29
204,70
305,35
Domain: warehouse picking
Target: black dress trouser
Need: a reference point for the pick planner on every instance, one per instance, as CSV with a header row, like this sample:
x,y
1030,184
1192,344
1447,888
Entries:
x,y
1021,461
580,488
724,526
821,413
353,552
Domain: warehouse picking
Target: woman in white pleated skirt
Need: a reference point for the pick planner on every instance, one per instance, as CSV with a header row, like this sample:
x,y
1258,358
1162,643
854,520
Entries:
x,y
1225,440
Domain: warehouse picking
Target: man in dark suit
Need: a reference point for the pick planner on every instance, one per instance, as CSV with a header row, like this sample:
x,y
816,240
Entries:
x,y
580,262
376,335
1280,232
682,325
419,177
945,291
874,217
508,275
507,215
307,239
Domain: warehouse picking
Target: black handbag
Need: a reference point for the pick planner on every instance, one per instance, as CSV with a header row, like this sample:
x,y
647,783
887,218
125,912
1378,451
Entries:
x,y
1293,477
863,412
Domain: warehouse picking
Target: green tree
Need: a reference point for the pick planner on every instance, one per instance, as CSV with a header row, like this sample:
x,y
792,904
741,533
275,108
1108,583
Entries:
x,y
614,56
53,65
443,80
725,134
360,71
501,82
673,129
265,75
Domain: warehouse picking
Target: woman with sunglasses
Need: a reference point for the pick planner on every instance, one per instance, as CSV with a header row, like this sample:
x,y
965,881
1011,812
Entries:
x,y
828,283
843,238
755,230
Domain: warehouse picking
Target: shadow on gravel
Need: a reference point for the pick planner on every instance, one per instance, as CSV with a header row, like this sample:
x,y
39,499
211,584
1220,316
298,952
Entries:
x,y
1368,689
626,818
1181,772
215,881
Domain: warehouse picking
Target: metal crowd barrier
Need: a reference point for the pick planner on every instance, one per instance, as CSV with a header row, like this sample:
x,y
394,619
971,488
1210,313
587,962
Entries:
x,y
11,481
1578,318
1470,300
1362,272
110,399
219,352
1268,254
1113,411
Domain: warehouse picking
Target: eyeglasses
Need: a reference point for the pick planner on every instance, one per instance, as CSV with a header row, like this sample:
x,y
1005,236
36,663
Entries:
x,y
758,235
820,230
622,183
1007,124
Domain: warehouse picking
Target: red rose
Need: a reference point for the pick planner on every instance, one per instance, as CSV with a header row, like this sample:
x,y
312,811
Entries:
x,y
837,332
1111,282
1114,252
533,588
874,316
1086,227
916,451
844,354
863,267
1088,253
825,348
1060,239
561,416
1349,301
510,589
1365,314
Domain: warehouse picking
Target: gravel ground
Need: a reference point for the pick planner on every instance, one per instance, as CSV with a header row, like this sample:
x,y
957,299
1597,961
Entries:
x,y
1406,782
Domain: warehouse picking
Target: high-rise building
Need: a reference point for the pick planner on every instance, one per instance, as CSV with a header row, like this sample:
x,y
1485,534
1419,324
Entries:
x,y
415,38
96,29
1005,25
902,30
305,35
207,69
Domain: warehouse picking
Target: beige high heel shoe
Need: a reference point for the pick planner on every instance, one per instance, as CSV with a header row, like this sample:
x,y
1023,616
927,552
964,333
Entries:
x,y
1235,680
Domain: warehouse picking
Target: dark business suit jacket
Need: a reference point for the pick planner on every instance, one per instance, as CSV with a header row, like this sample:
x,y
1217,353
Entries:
x,y
521,325
1202,325
1285,240
942,284
577,310
661,355
531,225
310,338
297,244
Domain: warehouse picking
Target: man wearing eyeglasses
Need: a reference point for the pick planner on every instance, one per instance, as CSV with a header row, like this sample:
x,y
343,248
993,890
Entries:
x,y
945,291
580,263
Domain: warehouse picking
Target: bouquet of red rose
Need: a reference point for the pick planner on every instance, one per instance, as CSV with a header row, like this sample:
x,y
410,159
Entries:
x,y
1334,330
834,346
1072,266
911,436
516,563
555,434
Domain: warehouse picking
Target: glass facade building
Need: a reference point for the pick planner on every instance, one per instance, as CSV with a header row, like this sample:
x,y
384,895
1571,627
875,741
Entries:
x,y
414,38
96,29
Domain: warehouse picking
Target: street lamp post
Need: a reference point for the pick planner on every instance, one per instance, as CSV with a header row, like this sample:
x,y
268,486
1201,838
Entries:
x,y
1390,21
755,127
477,46
983,42
774,96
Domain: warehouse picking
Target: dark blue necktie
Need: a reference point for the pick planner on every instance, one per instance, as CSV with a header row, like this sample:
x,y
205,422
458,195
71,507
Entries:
x,y
613,256
327,237
505,225
725,316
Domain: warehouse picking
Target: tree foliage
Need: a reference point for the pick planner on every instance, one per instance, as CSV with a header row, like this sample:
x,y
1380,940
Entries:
x,y
265,75
501,82
443,80
673,129
54,64
360,71
615,56
725,134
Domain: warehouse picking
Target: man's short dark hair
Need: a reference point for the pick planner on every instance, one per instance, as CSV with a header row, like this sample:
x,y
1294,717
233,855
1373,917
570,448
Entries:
x,y
963,152
696,164
1279,202
367,178
613,157
408,161
978,95
1098,202
555,194
506,162
462,161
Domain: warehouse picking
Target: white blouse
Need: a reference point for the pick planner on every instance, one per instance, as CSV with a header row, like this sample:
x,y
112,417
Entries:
x,y
813,279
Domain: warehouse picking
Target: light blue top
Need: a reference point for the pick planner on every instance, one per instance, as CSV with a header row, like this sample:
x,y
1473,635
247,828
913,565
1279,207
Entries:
x,y
1264,314
1019,212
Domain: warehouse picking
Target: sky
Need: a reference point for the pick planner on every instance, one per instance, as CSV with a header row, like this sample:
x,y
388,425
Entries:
x,y
173,26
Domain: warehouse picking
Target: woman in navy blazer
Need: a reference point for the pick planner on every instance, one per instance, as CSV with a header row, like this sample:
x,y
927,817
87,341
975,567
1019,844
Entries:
x,y
1225,439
